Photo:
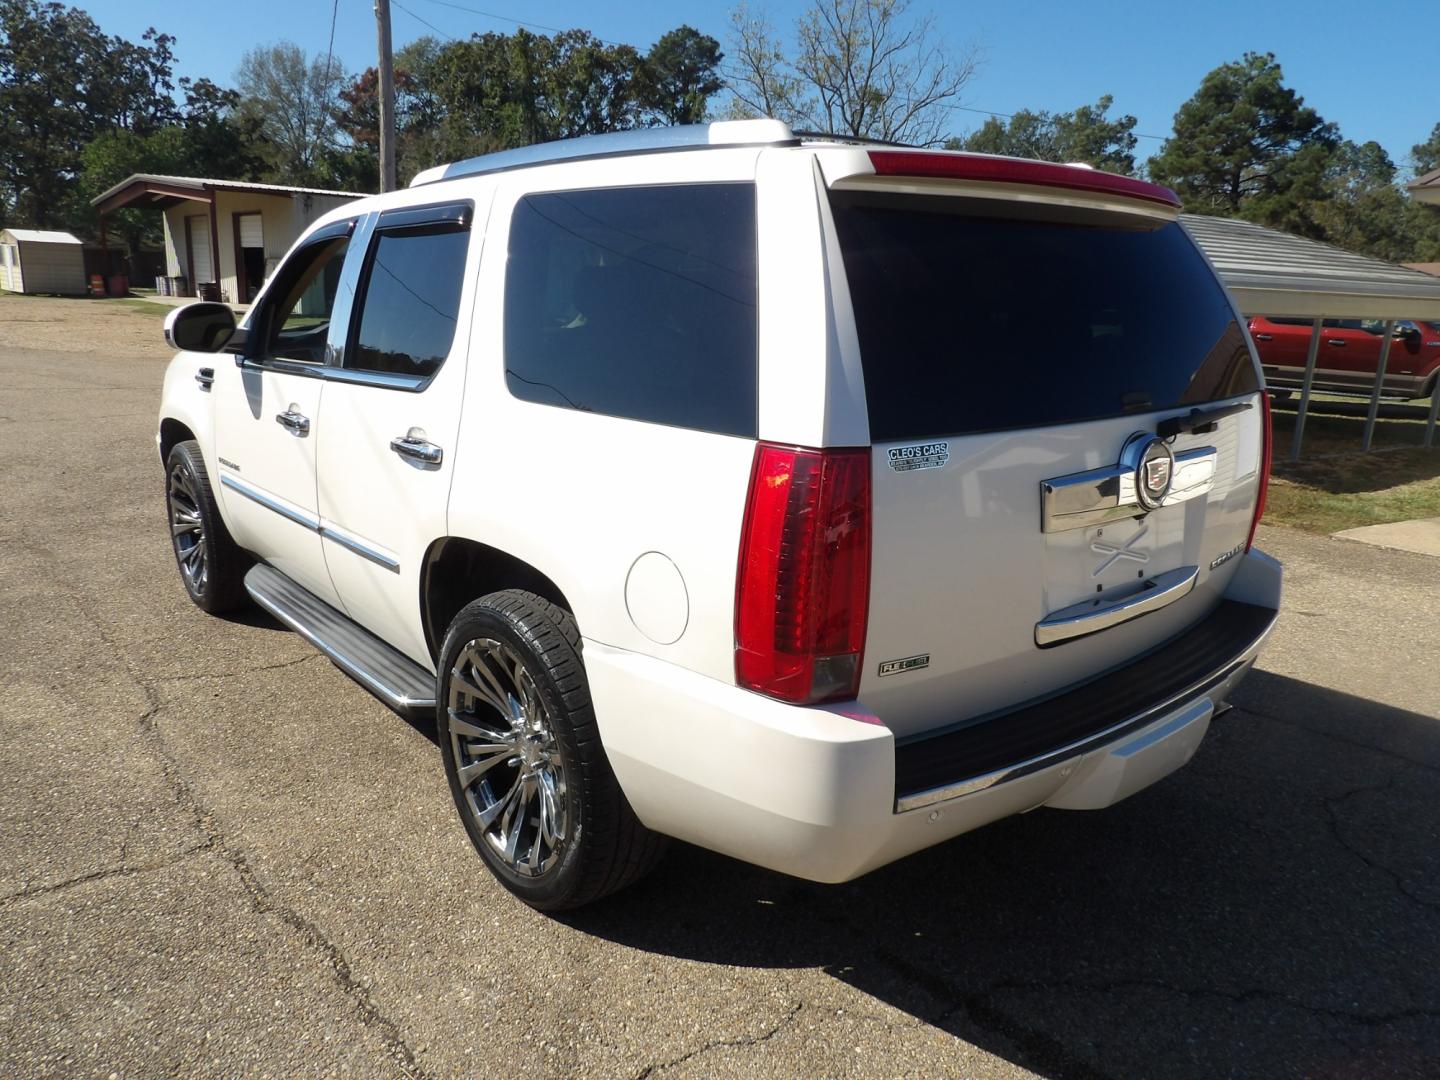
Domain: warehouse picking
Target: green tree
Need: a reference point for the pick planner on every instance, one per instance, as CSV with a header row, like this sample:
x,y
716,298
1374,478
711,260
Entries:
x,y
291,99
505,90
1361,208
1086,135
1425,157
221,140
863,68
62,82
1247,145
678,76
205,139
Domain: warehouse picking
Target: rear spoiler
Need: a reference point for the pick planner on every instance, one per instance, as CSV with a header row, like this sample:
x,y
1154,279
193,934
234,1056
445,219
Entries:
x,y
959,166
978,170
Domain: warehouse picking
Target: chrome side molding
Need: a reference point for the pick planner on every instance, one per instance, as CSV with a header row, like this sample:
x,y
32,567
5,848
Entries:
x,y
1092,616
299,517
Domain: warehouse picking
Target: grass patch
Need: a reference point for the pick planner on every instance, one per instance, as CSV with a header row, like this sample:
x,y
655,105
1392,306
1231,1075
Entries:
x,y
1334,486
144,307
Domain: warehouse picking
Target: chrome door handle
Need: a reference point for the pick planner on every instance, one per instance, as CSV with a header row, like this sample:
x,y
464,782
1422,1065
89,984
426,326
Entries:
x,y
1335,341
293,421
1264,337
416,447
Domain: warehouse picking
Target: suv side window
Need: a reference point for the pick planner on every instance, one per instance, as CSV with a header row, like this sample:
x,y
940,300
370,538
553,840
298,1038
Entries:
x,y
410,297
297,316
636,302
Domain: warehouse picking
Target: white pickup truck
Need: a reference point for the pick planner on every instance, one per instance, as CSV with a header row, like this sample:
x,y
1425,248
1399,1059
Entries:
x,y
809,501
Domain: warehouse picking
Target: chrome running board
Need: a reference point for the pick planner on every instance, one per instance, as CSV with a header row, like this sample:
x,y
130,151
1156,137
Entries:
x,y
387,673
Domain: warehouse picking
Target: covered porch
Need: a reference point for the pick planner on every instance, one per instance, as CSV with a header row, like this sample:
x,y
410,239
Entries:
x,y
222,237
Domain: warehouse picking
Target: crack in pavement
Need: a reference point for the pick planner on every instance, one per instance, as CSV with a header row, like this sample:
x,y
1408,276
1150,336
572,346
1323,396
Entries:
x,y
1049,1055
261,899
235,674
1356,743
102,874
1332,816
718,1044
1045,1053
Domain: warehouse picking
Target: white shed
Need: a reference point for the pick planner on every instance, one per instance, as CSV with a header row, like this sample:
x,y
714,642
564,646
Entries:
x,y
38,261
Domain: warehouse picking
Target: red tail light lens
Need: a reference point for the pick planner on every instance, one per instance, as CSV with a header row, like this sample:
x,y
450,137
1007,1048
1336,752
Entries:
x,y
1266,452
804,583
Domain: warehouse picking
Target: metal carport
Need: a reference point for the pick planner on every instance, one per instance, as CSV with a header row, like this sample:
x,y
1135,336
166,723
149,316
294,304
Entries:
x,y
1274,273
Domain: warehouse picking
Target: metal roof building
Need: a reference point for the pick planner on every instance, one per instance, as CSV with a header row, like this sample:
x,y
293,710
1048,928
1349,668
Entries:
x,y
1274,273
41,261
221,235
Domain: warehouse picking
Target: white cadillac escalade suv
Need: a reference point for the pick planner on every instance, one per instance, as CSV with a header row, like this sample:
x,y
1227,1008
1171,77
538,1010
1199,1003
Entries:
x,y
808,501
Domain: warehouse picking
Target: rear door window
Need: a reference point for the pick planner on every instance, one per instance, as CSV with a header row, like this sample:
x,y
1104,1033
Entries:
x,y
636,302
970,322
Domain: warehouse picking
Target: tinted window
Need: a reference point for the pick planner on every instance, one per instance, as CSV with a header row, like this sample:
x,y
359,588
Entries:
x,y
302,300
636,302
411,301
980,323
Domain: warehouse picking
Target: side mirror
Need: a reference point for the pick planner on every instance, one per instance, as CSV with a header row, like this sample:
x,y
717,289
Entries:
x,y
203,327
1408,334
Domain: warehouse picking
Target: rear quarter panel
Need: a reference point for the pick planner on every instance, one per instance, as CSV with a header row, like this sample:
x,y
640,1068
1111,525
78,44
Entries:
x,y
582,496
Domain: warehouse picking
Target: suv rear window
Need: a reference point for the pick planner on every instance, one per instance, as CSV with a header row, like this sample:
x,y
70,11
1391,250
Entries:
x,y
971,322
636,302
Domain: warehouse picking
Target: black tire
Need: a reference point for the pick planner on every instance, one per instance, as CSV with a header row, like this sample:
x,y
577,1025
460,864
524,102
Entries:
x,y
212,566
596,844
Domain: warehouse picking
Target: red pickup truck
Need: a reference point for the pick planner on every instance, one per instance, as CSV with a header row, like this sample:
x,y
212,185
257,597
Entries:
x,y
1349,355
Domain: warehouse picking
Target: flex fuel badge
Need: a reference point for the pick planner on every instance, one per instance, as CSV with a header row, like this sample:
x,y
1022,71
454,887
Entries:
x,y
910,663
932,455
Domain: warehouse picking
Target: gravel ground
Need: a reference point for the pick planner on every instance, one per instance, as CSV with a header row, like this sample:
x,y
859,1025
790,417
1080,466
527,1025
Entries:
x,y
79,327
219,856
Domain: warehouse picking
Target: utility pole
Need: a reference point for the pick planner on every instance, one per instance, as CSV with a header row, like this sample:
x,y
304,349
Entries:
x,y
387,97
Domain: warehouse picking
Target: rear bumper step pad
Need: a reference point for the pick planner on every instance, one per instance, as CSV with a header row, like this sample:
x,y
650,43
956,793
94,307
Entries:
x,y
1120,700
387,673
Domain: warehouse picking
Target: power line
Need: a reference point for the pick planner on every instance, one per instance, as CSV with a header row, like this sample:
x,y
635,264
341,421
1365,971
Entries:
x,y
330,49
424,22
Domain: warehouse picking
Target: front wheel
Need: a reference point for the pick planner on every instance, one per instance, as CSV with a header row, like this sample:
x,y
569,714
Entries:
x,y
211,565
523,756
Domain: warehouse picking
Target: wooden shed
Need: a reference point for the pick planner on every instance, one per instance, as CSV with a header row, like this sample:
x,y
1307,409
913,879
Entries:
x,y
37,261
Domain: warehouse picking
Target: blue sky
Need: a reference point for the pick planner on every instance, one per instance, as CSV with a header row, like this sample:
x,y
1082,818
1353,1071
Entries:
x,y
1039,54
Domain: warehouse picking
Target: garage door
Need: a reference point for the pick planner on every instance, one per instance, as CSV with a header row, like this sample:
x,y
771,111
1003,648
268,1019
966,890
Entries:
x,y
252,233
200,262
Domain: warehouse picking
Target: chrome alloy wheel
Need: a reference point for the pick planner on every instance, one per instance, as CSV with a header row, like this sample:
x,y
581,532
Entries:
x,y
187,529
507,760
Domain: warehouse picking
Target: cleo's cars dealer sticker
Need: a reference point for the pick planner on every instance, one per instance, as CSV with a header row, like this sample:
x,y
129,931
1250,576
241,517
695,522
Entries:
x,y
932,455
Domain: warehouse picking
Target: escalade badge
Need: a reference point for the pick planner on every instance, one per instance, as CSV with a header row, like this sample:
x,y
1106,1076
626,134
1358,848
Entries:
x,y
1154,474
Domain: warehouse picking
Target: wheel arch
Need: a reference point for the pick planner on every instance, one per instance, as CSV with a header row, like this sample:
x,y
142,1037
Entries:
x,y
457,570
172,431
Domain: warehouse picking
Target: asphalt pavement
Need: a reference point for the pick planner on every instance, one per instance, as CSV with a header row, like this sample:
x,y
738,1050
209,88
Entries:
x,y
219,856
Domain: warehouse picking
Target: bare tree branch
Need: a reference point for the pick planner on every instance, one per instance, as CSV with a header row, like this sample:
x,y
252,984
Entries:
x,y
860,68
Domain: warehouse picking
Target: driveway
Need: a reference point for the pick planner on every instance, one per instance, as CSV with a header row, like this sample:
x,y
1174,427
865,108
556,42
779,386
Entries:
x,y
218,855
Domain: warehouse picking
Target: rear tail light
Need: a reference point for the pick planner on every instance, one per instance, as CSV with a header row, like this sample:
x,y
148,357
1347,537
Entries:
x,y
1267,439
803,589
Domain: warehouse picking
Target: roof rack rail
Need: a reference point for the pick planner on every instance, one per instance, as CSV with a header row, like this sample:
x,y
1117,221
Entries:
x,y
721,133
858,140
